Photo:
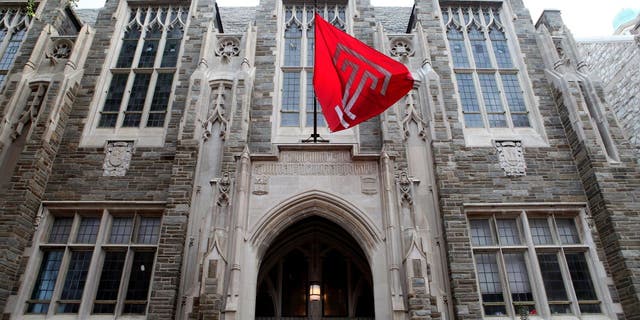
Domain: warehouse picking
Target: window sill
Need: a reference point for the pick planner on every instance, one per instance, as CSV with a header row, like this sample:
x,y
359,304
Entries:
x,y
483,137
147,137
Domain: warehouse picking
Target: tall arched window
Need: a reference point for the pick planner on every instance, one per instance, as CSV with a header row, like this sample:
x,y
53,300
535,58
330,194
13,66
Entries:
x,y
13,28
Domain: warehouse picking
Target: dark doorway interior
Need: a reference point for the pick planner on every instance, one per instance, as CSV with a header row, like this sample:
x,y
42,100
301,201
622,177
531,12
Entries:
x,y
314,253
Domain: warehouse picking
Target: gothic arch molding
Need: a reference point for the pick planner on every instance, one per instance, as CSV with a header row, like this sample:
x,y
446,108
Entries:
x,y
316,203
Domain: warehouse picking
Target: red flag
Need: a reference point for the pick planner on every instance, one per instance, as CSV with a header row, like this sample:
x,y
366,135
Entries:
x,y
352,81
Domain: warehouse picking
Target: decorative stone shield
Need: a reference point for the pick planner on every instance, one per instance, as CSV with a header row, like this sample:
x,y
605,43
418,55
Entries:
x,y
511,157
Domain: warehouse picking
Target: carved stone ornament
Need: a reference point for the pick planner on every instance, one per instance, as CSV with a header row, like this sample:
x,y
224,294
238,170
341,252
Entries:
x,y
511,157
228,47
261,185
405,188
401,47
369,185
117,158
62,48
224,186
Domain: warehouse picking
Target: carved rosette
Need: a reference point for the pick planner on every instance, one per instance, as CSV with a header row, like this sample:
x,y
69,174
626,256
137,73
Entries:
x,y
511,157
401,47
117,158
228,46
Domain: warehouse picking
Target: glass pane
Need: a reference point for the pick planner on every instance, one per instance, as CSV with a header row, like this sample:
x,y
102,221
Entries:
x,y
291,99
128,50
309,104
88,230
490,286
109,282
479,48
458,51
12,49
508,232
492,101
292,44
139,280
580,276
60,230
75,281
150,48
46,281
172,47
500,48
120,230
148,230
112,103
481,233
518,278
553,283
310,41
160,100
294,285
567,231
469,100
136,100
540,231
515,100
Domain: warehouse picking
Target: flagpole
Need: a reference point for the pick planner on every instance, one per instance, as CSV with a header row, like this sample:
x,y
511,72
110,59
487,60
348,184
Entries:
x,y
315,134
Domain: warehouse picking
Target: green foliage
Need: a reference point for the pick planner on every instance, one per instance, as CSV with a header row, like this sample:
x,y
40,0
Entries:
x,y
31,6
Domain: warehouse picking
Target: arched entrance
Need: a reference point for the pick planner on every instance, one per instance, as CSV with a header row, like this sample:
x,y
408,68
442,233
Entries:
x,y
314,253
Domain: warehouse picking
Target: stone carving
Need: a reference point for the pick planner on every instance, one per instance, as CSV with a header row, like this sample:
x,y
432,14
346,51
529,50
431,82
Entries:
x,y
31,110
336,163
369,185
117,158
511,157
413,116
224,186
220,91
261,185
62,48
228,47
404,184
401,47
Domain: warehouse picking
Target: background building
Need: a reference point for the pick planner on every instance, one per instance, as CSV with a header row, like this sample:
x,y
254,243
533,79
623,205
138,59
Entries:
x,y
154,165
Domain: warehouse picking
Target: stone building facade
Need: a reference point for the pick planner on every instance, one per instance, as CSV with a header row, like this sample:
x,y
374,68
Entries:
x,y
155,166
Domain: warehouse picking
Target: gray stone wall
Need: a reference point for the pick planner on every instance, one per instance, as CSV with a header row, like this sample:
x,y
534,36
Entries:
x,y
615,62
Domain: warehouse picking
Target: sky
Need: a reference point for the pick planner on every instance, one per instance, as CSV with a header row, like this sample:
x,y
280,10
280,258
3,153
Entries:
x,y
585,18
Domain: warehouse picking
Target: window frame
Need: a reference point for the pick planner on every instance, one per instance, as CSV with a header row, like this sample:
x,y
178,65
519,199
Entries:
x,y
95,135
532,136
531,251
296,134
98,249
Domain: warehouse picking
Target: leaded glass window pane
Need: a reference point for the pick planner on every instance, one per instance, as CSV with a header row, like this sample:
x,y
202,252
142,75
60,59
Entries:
x,y
469,99
88,230
479,48
148,230
60,230
500,48
567,231
121,230
292,44
129,45
515,99
139,280
12,49
540,231
74,282
518,277
458,50
160,100
291,99
109,285
172,47
481,234
508,232
490,285
310,104
109,114
582,283
150,47
46,281
492,101
553,283
133,115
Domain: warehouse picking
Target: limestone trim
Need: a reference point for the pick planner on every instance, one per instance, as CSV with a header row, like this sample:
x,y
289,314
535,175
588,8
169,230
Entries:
x,y
316,203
